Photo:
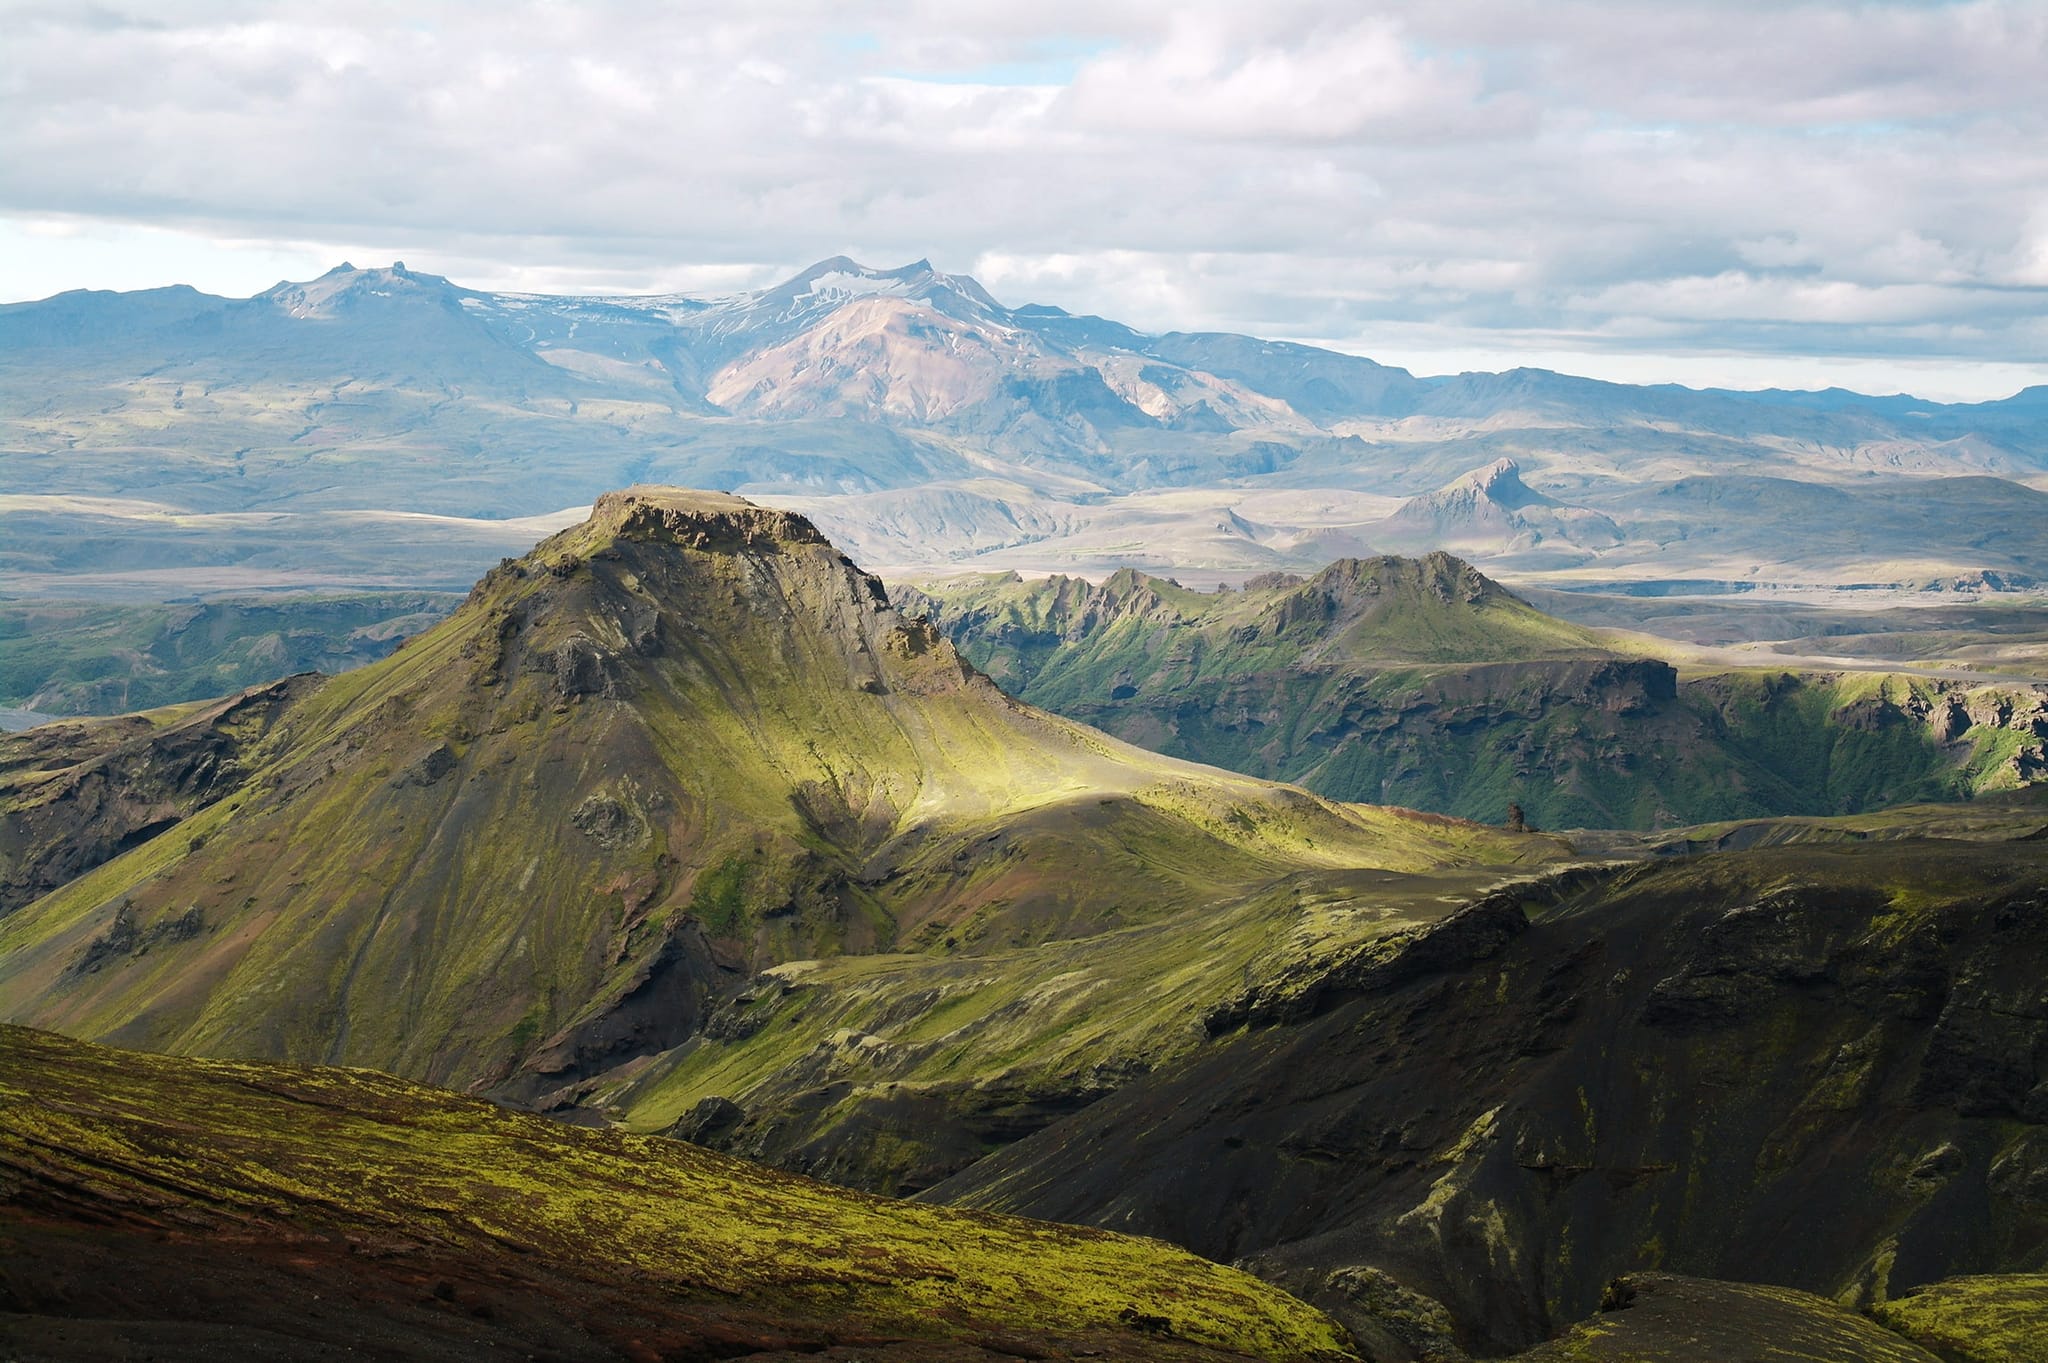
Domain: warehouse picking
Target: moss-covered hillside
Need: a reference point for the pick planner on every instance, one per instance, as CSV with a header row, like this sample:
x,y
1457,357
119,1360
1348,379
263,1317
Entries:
x,y
1815,1065
675,745
893,1071
1066,641
1985,1319
218,1201
1422,683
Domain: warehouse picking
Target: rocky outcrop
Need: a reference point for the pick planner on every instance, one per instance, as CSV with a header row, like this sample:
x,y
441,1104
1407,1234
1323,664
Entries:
x,y
709,522
1491,510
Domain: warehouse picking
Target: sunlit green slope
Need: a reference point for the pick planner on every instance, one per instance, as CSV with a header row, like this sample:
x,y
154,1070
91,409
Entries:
x,y
681,742
397,1193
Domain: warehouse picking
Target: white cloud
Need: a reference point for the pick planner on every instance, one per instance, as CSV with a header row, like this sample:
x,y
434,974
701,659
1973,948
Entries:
x,y
1826,178
1211,78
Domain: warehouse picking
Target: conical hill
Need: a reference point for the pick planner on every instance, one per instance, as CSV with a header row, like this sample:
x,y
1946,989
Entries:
x,y
673,745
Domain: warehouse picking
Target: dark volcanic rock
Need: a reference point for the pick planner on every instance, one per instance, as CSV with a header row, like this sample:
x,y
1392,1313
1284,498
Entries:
x,y
1782,1065
710,1120
1664,1318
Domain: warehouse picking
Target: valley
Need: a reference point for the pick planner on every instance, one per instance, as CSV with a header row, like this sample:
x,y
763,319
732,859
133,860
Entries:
x,y
1340,685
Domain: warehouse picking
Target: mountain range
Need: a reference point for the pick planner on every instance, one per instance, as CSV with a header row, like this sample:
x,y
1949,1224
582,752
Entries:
x,y
387,428
678,828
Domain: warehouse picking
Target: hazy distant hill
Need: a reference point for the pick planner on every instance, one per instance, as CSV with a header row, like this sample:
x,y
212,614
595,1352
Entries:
x,y
293,437
75,658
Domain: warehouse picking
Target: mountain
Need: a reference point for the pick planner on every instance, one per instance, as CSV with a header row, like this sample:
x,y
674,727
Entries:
x,y
1492,511
1451,1109
260,1211
674,745
678,826
1772,1065
1134,626
167,442
1422,682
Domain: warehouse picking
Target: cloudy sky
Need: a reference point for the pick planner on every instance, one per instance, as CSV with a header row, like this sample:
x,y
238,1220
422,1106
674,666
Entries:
x,y
1726,192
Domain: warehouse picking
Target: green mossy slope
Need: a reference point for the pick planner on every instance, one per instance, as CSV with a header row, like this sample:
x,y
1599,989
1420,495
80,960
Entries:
x,y
1996,1319
675,745
892,1071
75,794
222,1155
1816,1065
1063,641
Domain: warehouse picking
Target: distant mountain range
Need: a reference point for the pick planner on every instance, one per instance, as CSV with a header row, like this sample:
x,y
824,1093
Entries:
x,y
167,441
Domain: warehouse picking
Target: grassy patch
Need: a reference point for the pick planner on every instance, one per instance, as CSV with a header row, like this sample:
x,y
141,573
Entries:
x,y
1996,1319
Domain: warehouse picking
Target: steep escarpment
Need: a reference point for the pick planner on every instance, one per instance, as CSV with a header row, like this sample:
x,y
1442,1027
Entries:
x,y
1422,683
675,745
1820,1067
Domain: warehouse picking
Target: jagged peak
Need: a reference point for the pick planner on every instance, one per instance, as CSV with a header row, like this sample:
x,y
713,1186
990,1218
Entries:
x,y
842,275
1499,482
345,283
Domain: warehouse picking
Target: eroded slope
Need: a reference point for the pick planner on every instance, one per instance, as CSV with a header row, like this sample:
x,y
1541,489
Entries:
x,y
1822,1067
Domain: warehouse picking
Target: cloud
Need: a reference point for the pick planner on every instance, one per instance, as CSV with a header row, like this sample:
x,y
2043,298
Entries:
x,y
1217,76
1828,179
